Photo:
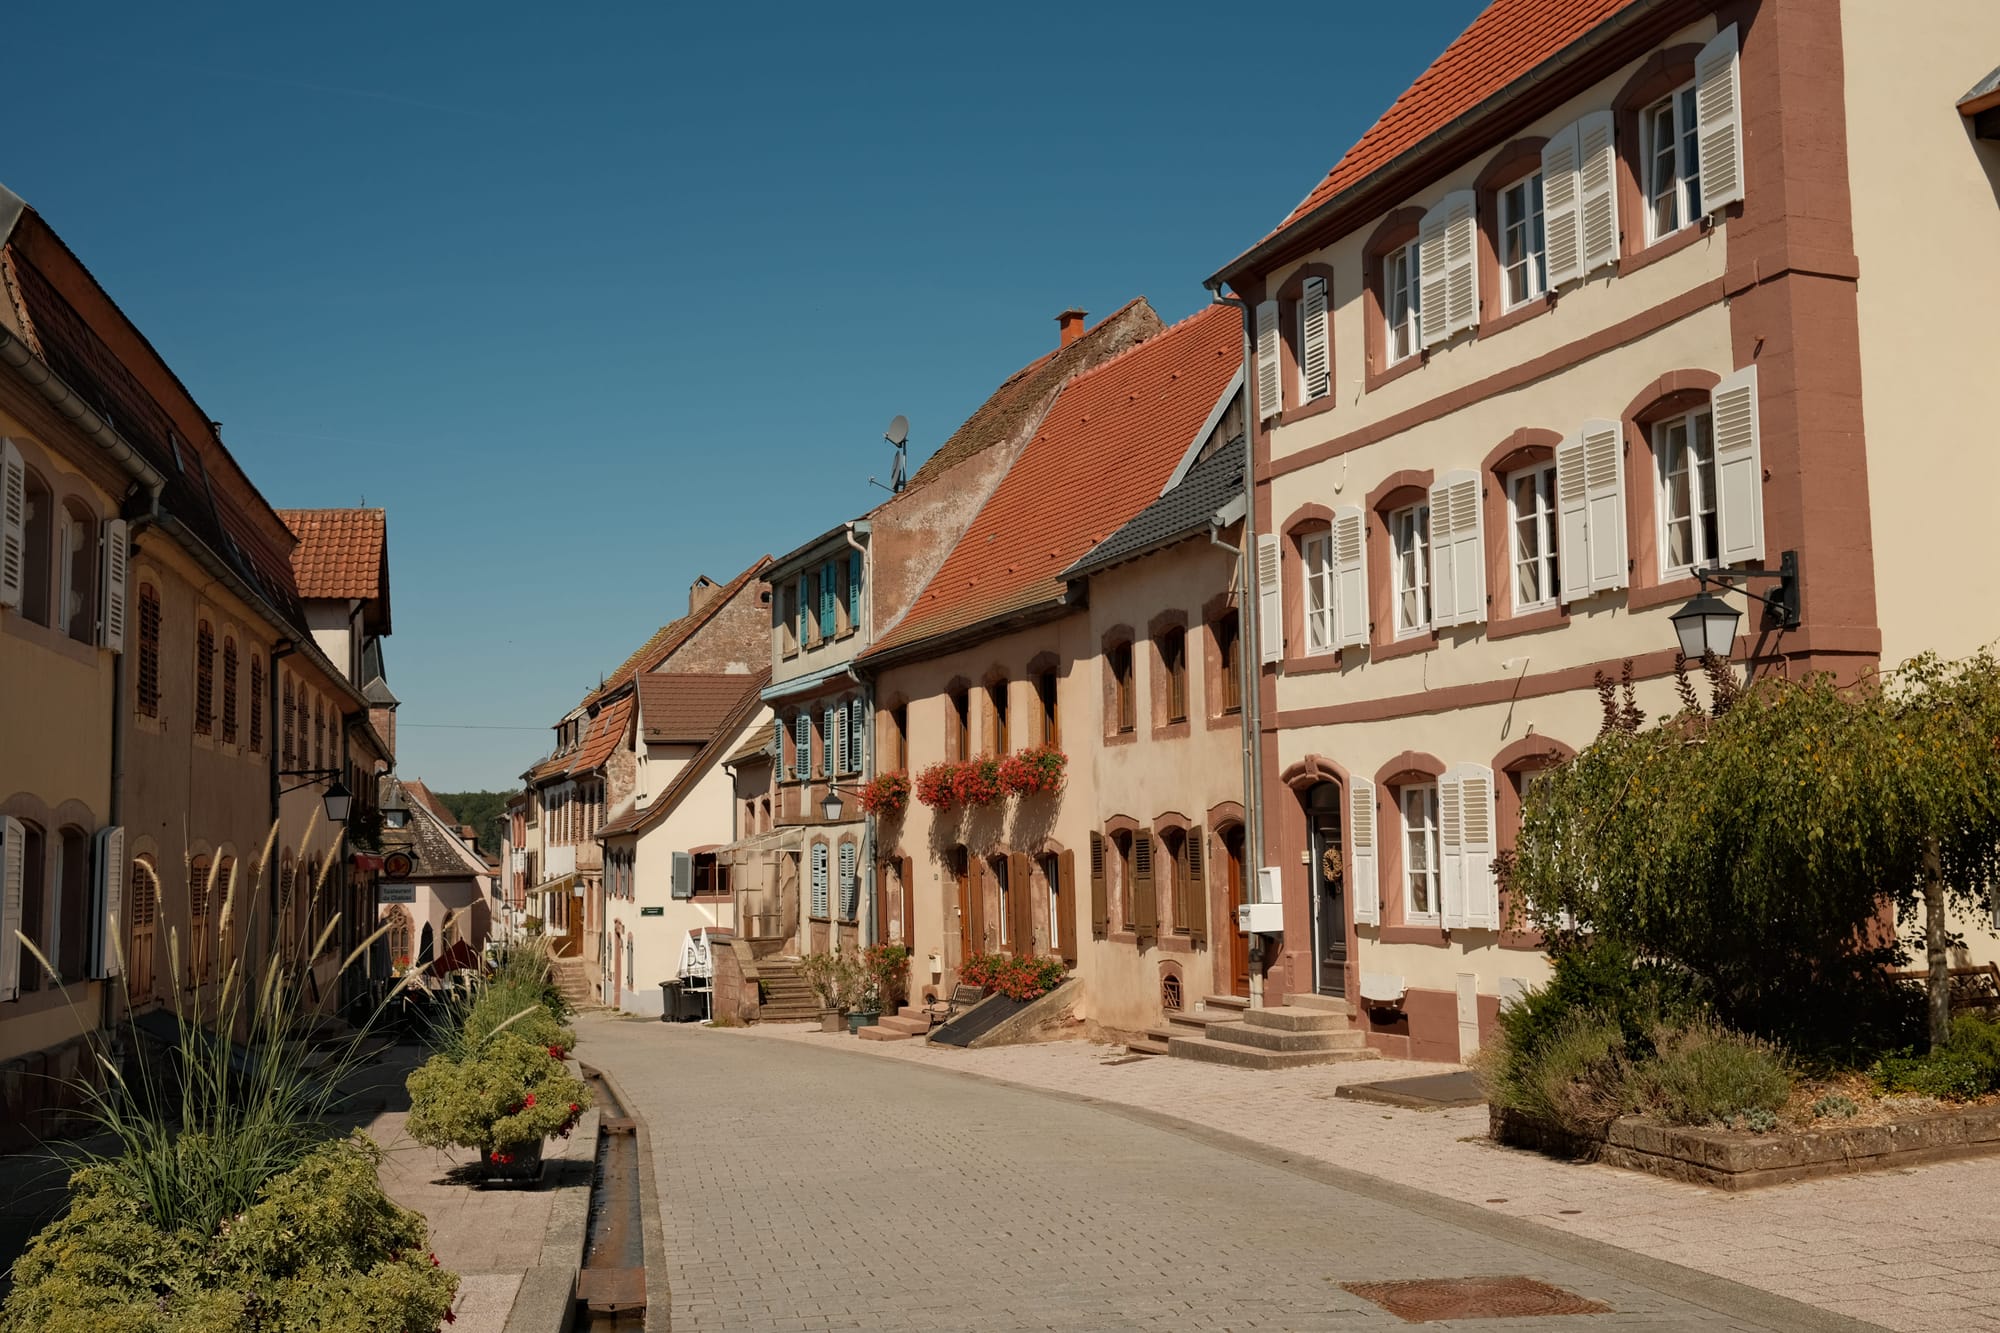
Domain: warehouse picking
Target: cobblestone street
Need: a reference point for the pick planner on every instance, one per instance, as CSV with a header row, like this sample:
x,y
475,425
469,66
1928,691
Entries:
x,y
809,1188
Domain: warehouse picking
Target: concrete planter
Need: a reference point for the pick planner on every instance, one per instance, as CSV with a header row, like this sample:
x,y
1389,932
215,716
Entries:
x,y
1736,1161
830,1020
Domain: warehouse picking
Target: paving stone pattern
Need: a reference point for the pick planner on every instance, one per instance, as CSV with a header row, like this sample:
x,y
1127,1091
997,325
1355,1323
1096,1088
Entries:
x,y
803,1188
1909,1249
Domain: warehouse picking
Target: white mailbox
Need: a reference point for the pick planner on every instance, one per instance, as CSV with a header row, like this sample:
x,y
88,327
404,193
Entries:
x,y
1261,918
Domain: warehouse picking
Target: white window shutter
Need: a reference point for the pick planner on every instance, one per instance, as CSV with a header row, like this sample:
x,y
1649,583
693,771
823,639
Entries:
x,y
1739,470
1350,577
856,733
1597,168
850,882
1572,520
1562,211
819,893
836,749
1604,487
1365,894
13,524
1315,359
1270,397
112,599
1444,571
1719,121
110,895
13,867
1461,258
1458,555
1451,851
1433,278
1270,599
1477,847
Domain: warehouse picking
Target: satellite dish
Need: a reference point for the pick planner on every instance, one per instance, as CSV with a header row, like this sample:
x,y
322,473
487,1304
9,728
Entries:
x,y
899,431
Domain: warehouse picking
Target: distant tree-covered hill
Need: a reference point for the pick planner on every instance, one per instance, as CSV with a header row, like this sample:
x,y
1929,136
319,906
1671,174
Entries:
x,y
482,810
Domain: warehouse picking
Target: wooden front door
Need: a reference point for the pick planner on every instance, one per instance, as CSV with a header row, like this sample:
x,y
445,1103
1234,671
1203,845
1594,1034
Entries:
x,y
1329,889
1239,940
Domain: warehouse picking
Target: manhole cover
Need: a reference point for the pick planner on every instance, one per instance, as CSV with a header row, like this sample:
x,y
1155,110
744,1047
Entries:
x,y
1427,1299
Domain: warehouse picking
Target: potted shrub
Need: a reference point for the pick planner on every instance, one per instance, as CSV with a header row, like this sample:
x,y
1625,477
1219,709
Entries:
x,y
934,785
887,796
889,964
503,1097
822,973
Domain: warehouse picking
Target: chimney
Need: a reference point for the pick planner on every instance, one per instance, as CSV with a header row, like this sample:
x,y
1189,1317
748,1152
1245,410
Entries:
x,y
1071,321
701,592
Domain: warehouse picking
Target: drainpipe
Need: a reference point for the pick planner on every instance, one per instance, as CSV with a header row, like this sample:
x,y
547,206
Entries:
x,y
870,927
280,650
121,719
1249,654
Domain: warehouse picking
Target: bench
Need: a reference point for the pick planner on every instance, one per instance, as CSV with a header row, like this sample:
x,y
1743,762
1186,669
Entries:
x,y
1973,987
962,997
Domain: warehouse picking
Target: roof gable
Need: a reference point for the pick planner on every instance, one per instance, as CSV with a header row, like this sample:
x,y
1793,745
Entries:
x,y
686,707
656,650
342,554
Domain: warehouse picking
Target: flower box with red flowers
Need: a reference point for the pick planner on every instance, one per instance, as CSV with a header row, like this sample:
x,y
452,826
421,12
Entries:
x,y
934,785
1037,771
977,782
887,795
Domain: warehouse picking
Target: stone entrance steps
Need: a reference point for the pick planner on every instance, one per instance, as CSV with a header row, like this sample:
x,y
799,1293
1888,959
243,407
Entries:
x,y
786,996
574,982
1305,1030
905,1023
1190,1023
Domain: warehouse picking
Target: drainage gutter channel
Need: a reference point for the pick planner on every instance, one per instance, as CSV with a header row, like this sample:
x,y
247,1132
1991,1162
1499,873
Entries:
x,y
615,1288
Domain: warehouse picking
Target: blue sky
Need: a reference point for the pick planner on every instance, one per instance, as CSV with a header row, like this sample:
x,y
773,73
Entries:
x,y
595,299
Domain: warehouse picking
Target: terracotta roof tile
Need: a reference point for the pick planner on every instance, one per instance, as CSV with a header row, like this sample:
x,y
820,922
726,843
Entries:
x,y
745,707
606,729
342,553
1105,449
667,638
686,707
1508,39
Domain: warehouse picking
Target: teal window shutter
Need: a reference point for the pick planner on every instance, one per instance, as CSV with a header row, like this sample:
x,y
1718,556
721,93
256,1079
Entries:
x,y
850,883
802,751
854,588
829,602
854,735
805,612
832,755
819,905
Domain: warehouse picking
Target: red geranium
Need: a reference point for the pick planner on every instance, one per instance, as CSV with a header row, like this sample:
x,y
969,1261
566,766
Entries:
x,y
887,794
1036,771
934,785
977,781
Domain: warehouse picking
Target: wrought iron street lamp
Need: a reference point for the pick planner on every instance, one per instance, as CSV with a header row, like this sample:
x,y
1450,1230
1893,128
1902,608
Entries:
x,y
1707,624
337,800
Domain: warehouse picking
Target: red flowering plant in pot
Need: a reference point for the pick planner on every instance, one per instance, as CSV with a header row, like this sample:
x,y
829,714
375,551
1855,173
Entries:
x,y
1015,978
887,795
1036,771
977,781
934,787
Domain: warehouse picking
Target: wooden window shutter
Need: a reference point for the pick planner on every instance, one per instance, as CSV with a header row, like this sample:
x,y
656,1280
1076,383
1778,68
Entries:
x,y
1451,850
855,735
1100,898
13,531
829,602
1270,599
909,903
113,594
1739,470
1270,394
1562,207
1572,520
1195,877
977,870
854,588
1433,319
1021,903
802,746
1315,359
1461,258
850,882
1458,554
805,612
13,870
835,738
1363,892
1719,121
1478,846
1350,577
1145,898
819,888
1064,904
108,888
1604,487
1597,190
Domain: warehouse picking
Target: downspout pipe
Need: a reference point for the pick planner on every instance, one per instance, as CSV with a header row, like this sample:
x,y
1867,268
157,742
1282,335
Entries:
x,y
1249,650
280,649
870,928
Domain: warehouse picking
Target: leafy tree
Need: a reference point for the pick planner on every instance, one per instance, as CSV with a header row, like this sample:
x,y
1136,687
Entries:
x,y
482,810
1760,843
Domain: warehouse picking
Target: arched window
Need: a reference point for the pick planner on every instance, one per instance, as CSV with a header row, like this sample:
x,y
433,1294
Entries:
x,y
76,570
229,689
142,909
256,704
37,519
149,650
204,679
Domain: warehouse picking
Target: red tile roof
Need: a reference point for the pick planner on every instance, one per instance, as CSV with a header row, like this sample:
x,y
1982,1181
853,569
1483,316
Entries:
x,y
1508,39
1106,447
686,707
415,788
746,706
668,638
342,553
606,729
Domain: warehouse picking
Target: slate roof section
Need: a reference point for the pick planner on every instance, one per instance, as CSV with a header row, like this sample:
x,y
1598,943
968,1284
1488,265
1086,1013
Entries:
x,y
1022,394
724,742
686,708
1983,96
667,638
606,730
1507,40
1105,450
430,835
341,553
1182,512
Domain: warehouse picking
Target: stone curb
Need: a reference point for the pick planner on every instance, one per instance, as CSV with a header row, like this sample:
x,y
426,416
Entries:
x,y
1732,1300
546,1300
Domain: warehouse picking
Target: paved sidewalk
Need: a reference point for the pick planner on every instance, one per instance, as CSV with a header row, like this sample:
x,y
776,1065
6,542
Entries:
x,y
808,1189
1915,1249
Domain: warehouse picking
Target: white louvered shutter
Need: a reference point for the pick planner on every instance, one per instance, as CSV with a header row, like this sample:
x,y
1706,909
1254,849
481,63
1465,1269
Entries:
x,y
1434,318
13,866
1270,397
1458,551
1739,470
1315,360
1597,177
850,883
1604,488
1451,851
1350,577
1572,520
1461,258
836,739
1562,207
110,895
112,598
819,896
855,733
1365,894
13,523
1477,847
1270,599
1719,121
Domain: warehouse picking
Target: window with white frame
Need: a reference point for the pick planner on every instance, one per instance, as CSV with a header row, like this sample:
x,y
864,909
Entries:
x,y
1409,536
1402,303
1685,448
1673,163
1316,560
1531,502
1524,260
1420,853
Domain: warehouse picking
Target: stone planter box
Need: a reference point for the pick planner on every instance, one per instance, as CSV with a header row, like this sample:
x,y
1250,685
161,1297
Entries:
x,y
1737,1161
